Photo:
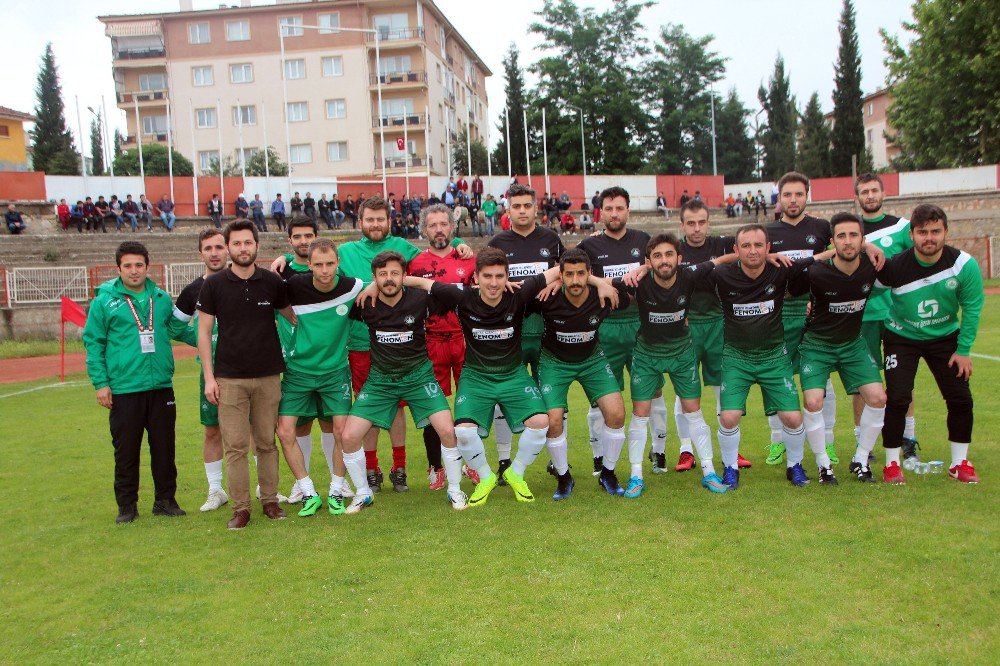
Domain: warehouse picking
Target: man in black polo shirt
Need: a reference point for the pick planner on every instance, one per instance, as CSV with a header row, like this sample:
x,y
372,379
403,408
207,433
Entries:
x,y
246,386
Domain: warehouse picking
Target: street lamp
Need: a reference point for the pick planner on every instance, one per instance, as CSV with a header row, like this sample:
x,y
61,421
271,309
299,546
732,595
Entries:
x,y
583,144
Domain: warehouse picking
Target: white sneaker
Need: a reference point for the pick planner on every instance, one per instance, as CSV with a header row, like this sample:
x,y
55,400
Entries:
x,y
281,498
295,494
360,502
216,498
344,490
459,500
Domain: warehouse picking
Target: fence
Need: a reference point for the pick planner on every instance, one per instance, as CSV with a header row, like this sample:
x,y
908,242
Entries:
x,y
28,286
101,274
180,276
994,270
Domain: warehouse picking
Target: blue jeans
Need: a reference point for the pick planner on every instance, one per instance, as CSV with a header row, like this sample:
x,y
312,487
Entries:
x,y
490,222
133,219
258,219
119,222
169,220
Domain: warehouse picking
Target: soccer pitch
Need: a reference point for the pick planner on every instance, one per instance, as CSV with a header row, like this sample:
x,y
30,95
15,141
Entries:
x,y
767,573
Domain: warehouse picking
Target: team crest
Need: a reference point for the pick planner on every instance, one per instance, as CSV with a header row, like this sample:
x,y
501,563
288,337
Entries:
x,y
635,252
811,239
951,283
866,288
362,396
806,369
460,400
886,241
682,300
769,290
544,252
593,320
546,388
408,320
342,309
509,318
459,271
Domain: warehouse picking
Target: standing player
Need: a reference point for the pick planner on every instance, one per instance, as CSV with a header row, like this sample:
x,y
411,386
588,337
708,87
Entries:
x,y
838,290
931,284
400,371
530,250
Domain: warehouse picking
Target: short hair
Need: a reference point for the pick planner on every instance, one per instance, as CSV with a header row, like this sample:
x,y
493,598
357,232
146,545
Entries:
x,y
383,258
868,177
693,205
322,244
374,202
207,233
747,228
302,221
843,218
660,239
925,214
491,256
131,247
428,210
239,225
518,190
574,256
793,177
612,193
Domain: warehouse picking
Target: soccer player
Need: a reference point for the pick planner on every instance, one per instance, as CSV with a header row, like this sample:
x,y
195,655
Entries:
x,y
838,290
613,254
530,250
445,342
400,371
932,285
571,351
704,320
797,236
892,235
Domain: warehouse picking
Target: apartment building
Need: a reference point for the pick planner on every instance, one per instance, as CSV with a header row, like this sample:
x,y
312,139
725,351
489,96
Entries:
x,y
878,131
229,81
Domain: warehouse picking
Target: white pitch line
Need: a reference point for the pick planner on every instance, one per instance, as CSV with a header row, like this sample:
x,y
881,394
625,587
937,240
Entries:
x,y
47,386
988,358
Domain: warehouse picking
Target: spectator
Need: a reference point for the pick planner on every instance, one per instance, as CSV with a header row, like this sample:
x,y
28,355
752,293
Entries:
x,y
774,196
489,210
461,217
777,211
15,223
93,216
131,211
661,205
296,203
309,206
697,195
738,205
433,199
685,197
477,190
146,211
595,201
478,223
166,208
504,222
449,198
324,210
257,211
450,187
350,212
760,204
586,224
115,208
565,203
102,206
77,216
62,212
567,224
461,186
215,210
278,212
730,206
242,207
337,210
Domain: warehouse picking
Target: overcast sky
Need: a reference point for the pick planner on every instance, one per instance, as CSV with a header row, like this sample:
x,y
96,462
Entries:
x,y
750,33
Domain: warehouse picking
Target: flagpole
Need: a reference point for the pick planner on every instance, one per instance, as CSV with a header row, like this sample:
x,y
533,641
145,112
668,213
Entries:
x,y
138,140
170,152
527,152
62,350
545,154
406,154
510,172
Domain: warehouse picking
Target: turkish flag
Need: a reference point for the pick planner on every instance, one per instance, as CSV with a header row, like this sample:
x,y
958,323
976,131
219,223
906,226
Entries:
x,y
73,312
400,143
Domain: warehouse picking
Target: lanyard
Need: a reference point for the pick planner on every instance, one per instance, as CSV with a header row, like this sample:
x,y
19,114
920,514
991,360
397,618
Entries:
x,y
136,314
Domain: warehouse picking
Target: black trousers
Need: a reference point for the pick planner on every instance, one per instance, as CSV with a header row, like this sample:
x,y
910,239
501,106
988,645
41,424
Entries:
x,y
131,414
901,359
217,220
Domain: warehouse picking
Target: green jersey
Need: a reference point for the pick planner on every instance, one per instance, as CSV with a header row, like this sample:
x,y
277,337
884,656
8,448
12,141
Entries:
x,y
891,235
317,343
292,268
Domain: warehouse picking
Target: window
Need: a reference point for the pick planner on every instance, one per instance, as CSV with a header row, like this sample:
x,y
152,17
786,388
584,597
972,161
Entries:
x,y
441,38
203,76
152,82
392,150
440,113
205,118
336,108
298,112
246,115
198,33
871,108
237,31
392,26
208,160
444,159
300,154
154,124
439,72
333,66
870,138
394,65
329,23
5,130
397,107
245,155
241,73
291,26
295,69
336,151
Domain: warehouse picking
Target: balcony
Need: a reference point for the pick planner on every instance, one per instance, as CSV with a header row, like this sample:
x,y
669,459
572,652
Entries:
x,y
389,38
147,53
396,122
399,162
451,61
142,96
449,97
147,138
399,80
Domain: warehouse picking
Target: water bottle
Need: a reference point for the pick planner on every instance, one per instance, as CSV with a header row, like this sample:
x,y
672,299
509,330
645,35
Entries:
x,y
910,464
936,466
922,468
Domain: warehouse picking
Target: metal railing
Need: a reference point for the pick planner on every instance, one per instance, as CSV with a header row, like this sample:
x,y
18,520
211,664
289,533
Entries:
x,y
400,162
28,286
399,120
391,78
140,54
395,35
142,96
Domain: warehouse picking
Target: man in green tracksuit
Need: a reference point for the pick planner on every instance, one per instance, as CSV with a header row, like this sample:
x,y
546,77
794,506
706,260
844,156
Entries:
x,y
130,363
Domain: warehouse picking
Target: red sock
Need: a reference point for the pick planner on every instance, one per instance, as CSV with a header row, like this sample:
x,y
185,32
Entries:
x,y
371,459
398,457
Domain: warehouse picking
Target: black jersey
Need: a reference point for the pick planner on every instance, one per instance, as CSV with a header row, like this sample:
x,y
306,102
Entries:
x,y
292,269
752,307
531,254
396,332
838,300
663,312
492,332
797,241
187,303
614,257
570,331
704,306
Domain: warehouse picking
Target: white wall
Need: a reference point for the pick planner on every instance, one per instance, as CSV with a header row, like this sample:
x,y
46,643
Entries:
x,y
73,188
948,180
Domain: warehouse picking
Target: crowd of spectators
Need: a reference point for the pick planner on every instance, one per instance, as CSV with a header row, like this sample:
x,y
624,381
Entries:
x,y
740,205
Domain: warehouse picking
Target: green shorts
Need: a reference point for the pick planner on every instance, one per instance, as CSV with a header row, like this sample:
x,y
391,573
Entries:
x,y
315,396
531,348
707,339
555,377
379,397
648,368
871,333
794,326
515,392
209,412
618,341
774,375
852,361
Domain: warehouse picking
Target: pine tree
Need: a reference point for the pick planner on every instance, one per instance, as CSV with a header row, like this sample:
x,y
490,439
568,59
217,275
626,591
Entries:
x,y
460,154
813,157
848,136
514,91
778,138
96,147
53,150
119,142
736,157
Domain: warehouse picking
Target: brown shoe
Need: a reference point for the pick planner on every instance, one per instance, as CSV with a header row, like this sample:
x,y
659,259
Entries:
x,y
273,511
239,520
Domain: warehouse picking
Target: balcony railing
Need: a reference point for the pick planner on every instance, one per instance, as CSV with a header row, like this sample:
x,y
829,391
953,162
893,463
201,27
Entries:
x,y
400,162
141,96
146,138
391,78
449,97
451,61
141,54
395,34
399,120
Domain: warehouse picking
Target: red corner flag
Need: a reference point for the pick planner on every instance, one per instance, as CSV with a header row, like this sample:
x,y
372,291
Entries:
x,y
74,314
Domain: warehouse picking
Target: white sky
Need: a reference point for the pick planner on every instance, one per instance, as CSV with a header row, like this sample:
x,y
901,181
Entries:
x,y
748,32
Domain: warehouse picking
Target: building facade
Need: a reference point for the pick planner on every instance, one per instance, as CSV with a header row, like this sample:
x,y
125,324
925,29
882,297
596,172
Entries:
x,y
14,139
878,131
223,82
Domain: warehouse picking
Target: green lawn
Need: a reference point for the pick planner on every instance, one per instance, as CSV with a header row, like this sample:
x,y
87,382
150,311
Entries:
x,y
768,573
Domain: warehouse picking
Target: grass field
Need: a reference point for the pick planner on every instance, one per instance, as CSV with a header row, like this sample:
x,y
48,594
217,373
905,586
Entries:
x,y
768,573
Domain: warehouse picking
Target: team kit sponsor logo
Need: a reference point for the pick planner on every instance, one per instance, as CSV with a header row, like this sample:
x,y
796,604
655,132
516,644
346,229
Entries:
x,y
666,317
619,270
393,337
527,269
753,309
492,334
847,307
575,338
795,255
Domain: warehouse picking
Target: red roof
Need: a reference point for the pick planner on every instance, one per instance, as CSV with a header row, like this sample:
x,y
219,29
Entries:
x,y
6,112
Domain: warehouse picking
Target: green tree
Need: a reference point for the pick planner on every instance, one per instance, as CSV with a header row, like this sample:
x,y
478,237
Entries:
x,y
154,159
813,157
735,148
848,136
514,93
119,142
255,165
53,150
945,87
778,136
96,147
460,154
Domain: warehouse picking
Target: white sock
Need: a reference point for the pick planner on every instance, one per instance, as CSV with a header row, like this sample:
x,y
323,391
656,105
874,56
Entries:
x,y
776,428
213,470
637,443
530,444
327,441
892,456
355,463
452,461
502,433
872,419
559,452
306,486
470,445
683,432
717,390
595,424
337,484
795,445
857,435
658,424
702,436
829,411
305,443
612,440
910,427
812,422
959,452
729,446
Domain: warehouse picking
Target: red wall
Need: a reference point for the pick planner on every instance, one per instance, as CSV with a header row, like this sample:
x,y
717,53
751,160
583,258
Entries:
x,y
22,185
711,188
573,186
